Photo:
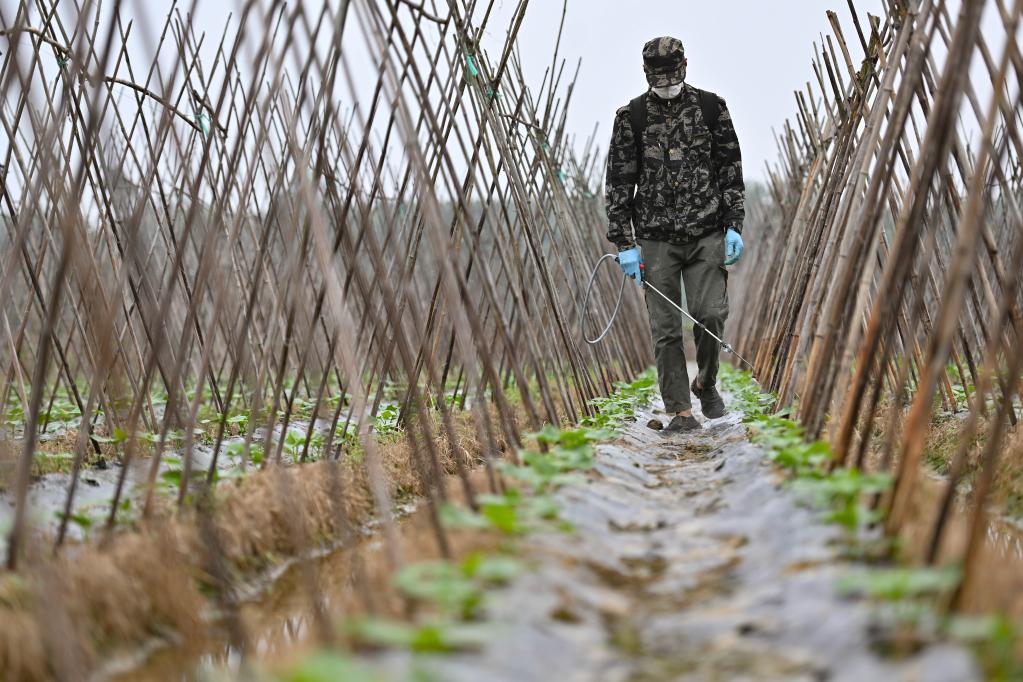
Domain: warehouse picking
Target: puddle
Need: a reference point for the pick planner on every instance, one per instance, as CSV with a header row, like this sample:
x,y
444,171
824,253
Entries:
x,y
95,491
1007,538
277,620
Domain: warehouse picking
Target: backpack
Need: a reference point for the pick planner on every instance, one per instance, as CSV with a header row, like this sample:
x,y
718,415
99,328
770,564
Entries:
x,y
637,113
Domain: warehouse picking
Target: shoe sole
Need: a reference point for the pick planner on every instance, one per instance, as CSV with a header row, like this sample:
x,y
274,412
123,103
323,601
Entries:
x,y
714,414
709,414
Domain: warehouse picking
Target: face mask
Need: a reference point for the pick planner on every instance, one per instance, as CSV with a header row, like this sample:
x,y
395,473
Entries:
x,y
668,92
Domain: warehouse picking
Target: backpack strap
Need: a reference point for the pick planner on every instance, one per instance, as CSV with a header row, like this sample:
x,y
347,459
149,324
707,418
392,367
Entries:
x,y
710,105
711,108
637,116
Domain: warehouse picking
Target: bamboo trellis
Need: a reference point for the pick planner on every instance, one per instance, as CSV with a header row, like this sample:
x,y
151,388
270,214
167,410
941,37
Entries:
x,y
889,274
193,231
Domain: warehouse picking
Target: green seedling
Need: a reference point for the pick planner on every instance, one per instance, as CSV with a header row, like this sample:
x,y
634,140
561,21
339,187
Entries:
x,y
236,448
14,413
907,594
620,407
569,438
787,447
839,490
568,451
347,435
295,442
544,471
457,517
443,584
995,639
329,666
147,436
746,395
302,408
505,513
204,397
436,637
962,388
901,583
844,484
124,516
540,472
240,420
842,491
455,395
80,519
511,513
63,411
456,590
385,423
87,517
118,436
172,475
492,569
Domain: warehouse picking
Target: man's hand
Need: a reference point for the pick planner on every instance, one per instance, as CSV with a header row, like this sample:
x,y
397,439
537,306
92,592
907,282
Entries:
x,y
733,247
632,264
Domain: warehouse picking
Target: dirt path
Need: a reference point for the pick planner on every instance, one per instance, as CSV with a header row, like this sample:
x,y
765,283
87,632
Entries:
x,y
690,562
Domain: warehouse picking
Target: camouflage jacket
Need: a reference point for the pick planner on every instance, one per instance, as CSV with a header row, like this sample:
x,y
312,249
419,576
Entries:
x,y
683,193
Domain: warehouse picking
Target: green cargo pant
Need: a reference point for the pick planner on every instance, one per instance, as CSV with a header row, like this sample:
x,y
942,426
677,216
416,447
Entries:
x,y
700,264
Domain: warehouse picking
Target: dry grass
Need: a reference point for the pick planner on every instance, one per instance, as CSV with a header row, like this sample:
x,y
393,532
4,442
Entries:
x,y
1008,488
156,578
22,656
998,584
8,464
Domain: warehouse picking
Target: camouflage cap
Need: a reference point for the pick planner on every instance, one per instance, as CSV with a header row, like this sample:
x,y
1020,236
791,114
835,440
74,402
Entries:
x,y
664,62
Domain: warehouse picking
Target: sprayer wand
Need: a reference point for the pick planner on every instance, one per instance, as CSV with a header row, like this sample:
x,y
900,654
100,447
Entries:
x,y
725,346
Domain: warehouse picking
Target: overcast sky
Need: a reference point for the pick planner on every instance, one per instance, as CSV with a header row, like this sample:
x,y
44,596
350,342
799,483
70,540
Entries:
x,y
754,53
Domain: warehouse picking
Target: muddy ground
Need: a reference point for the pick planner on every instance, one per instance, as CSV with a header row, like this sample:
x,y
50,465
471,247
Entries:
x,y
691,560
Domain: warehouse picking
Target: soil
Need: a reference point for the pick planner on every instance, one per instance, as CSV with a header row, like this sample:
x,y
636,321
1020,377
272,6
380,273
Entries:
x,y
691,560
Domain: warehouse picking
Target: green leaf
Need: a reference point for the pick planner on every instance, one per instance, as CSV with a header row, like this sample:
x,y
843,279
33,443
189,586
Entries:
x,y
896,584
241,419
443,584
501,513
440,637
492,569
148,436
454,516
79,519
330,666
543,507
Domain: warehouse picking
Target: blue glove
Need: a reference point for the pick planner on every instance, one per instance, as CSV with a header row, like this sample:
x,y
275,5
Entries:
x,y
733,247
632,264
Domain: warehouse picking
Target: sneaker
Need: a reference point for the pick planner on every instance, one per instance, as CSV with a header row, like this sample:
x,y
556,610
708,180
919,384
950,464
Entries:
x,y
711,403
680,424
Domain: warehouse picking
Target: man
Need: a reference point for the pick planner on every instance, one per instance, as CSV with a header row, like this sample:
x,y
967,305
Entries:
x,y
674,192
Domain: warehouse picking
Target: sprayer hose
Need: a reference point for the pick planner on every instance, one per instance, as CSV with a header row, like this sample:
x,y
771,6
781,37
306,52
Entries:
x,y
586,301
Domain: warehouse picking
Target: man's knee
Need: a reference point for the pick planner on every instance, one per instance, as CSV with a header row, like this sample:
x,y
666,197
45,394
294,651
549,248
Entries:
x,y
711,315
668,339
666,330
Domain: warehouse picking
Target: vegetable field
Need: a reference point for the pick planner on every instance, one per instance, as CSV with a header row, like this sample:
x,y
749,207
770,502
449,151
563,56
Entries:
x,y
294,386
